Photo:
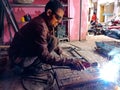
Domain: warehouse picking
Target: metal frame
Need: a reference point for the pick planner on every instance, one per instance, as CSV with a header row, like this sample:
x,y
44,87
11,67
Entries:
x,y
7,11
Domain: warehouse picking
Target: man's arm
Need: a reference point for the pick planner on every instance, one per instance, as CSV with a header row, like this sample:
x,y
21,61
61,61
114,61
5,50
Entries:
x,y
46,57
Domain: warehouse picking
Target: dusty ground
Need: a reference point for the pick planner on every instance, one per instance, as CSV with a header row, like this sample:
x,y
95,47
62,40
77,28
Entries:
x,y
85,48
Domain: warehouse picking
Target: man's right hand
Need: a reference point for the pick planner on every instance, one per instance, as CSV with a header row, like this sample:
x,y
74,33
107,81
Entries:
x,y
58,50
77,64
81,65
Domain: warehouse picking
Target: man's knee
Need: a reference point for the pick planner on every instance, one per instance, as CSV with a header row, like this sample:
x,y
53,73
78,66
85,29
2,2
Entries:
x,y
52,43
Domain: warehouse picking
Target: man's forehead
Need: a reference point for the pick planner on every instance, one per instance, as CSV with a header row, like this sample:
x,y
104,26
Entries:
x,y
60,10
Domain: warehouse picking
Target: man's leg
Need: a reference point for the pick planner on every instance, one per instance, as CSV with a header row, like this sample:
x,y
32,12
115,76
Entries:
x,y
29,64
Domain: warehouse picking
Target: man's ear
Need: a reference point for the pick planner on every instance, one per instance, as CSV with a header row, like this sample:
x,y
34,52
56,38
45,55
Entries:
x,y
49,12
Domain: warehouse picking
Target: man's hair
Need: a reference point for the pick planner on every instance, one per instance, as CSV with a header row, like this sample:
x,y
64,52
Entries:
x,y
53,5
94,12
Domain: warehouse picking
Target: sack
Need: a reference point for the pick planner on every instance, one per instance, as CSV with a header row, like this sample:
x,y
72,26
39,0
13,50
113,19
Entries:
x,y
23,1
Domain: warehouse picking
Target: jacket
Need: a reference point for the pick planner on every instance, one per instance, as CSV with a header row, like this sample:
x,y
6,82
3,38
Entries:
x,y
31,40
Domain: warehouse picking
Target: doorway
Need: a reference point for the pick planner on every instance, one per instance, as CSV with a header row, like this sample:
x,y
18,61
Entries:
x,y
101,13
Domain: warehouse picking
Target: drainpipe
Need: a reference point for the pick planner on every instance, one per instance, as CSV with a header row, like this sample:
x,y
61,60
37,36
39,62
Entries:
x,y
80,20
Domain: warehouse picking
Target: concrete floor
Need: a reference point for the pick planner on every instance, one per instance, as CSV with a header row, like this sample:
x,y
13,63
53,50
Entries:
x,y
86,50
87,47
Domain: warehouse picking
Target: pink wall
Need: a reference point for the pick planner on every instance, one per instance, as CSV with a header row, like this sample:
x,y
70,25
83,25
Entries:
x,y
74,12
76,32
84,20
21,11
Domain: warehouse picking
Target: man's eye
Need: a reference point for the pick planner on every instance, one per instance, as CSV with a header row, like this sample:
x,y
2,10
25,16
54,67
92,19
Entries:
x,y
57,16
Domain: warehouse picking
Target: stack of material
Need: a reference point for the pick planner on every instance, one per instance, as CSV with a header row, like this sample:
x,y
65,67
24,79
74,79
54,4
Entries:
x,y
108,48
114,33
3,58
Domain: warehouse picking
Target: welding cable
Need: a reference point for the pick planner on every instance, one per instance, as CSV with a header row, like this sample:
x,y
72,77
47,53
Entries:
x,y
57,67
50,83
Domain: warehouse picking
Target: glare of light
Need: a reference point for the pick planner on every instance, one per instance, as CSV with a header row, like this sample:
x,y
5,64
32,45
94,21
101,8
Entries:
x,y
116,59
109,72
117,88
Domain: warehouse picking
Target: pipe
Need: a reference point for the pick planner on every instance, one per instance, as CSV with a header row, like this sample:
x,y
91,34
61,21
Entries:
x,y
80,20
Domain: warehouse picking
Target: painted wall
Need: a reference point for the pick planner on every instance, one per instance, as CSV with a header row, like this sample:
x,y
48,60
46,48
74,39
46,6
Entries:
x,y
19,12
84,19
74,12
78,25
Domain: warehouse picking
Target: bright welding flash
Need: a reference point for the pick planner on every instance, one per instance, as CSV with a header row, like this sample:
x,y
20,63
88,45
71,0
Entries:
x,y
109,72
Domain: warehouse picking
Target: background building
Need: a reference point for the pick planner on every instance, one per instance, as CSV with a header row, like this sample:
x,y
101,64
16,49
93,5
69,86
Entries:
x,y
106,9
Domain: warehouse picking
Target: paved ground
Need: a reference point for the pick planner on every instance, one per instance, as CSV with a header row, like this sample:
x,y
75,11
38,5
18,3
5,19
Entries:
x,y
85,48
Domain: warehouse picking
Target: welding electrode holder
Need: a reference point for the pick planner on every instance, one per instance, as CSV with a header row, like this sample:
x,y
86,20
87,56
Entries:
x,y
87,64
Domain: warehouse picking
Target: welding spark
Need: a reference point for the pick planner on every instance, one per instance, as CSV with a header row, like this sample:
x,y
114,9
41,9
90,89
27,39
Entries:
x,y
110,71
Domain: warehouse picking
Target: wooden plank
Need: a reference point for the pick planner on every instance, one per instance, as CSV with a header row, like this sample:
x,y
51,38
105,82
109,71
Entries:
x,y
4,46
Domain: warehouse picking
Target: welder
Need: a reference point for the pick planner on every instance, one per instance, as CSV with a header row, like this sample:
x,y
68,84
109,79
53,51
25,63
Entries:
x,y
35,41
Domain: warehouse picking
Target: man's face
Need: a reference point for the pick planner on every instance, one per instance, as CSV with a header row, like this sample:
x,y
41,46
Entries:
x,y
57,17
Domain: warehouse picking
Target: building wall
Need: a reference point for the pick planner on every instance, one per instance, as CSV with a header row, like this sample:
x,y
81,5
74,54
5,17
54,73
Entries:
x,y
74,12
108,11
84,20
117,7
19,12
79,24
77,9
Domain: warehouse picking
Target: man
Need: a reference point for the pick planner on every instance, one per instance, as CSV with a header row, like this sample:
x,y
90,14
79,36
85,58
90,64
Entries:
x,y
94,19
36,39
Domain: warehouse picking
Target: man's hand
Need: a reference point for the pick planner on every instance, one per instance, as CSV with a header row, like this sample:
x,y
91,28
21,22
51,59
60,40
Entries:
x,y
77,64
58,50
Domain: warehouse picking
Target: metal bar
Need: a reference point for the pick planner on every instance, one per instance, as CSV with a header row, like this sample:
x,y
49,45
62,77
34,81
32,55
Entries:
x,y
10,14
80,20
9,31
77,54
31,5
1,20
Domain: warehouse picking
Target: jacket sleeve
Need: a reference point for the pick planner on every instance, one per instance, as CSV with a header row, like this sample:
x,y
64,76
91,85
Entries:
x,y
42,49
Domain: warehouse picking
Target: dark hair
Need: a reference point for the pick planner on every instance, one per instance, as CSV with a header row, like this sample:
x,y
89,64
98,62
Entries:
x,y
94,12
53,5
